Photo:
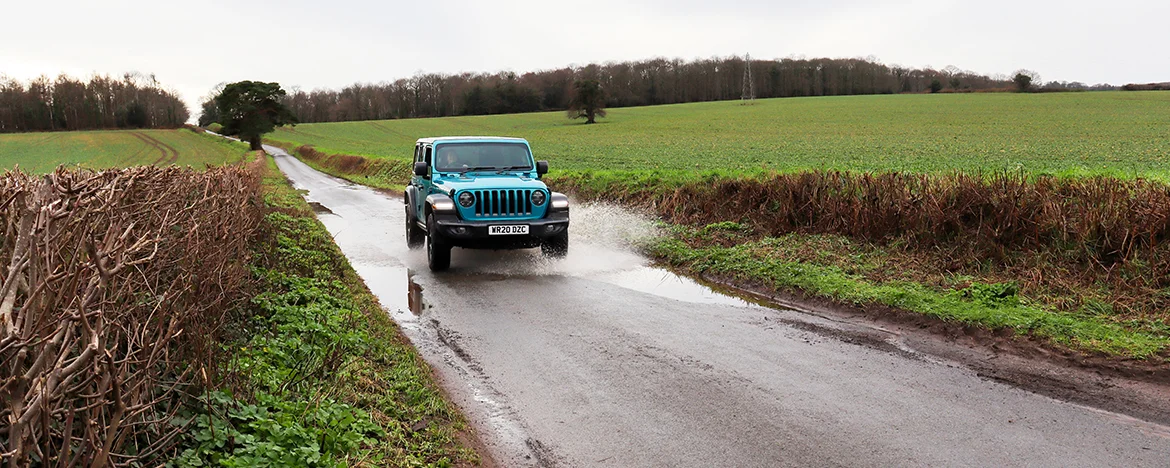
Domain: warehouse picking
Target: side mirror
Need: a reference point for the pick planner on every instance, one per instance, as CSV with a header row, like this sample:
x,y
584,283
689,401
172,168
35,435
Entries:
x,y
421,169
541,168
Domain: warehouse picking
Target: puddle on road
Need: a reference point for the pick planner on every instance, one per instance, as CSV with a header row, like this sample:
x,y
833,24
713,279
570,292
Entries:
x,y
319,208
664,283
600,249
396,289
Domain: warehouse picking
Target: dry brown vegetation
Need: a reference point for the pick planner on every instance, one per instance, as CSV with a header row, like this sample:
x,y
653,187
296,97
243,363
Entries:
x,y
114,289
1059,233
375,171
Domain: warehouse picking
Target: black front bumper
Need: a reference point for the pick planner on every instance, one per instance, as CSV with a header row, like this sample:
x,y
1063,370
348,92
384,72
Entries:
x,y
474,234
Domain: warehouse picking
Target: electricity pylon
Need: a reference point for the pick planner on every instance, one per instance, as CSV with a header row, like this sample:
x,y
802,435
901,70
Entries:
x,y
749,87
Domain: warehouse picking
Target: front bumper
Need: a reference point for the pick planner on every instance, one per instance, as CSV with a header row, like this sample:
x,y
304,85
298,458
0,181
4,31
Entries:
x,y
474,234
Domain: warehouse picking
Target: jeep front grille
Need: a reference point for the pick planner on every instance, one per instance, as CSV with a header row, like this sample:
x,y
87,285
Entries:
x,y
495,203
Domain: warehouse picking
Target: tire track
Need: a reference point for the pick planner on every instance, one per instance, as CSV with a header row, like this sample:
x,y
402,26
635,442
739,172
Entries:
x,y
383,128
165,149
143,138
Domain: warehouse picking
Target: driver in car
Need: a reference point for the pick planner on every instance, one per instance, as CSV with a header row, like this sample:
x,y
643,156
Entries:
x,y
447,159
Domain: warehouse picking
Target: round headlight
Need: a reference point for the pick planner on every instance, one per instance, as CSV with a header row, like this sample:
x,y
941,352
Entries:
x,y
538,198
466,199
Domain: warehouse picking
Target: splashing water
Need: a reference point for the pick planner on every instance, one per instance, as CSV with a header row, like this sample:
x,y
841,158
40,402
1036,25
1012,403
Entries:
x,y
602,238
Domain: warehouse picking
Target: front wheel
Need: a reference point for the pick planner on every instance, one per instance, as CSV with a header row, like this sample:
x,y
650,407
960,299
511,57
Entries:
x,y
438,251
556,246
415,236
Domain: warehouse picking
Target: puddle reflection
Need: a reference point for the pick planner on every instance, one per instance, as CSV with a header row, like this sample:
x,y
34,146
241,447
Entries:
x,y
664,283
414,294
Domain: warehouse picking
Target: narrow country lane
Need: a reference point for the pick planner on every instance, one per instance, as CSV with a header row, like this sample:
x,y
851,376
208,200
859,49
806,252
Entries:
x,y
600,360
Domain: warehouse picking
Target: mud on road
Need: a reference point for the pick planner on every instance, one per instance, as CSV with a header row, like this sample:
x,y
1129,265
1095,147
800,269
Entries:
x,y
603,360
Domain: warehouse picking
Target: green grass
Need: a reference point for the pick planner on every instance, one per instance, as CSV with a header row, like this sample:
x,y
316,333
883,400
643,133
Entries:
x,y
42,152
383,373
1124,134
994,306
332,381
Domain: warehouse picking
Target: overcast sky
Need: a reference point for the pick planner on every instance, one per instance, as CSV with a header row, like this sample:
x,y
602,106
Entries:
x,y
191,46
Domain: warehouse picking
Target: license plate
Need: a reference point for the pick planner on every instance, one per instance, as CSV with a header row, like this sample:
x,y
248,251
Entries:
x,y
507,230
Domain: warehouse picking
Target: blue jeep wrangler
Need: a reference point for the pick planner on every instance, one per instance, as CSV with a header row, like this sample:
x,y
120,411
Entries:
x,y
482,193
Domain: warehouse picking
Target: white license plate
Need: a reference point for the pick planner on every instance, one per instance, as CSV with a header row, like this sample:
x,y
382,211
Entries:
x,y
507,230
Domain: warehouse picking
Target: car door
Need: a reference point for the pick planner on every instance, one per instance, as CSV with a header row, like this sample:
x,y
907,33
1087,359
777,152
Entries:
x,y
425,186
414,189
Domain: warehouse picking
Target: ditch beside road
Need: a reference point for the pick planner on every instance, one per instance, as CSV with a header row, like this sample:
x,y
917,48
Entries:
x,y
602,360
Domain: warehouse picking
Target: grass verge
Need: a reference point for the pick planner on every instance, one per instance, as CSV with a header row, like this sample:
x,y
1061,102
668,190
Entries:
x,y
391,174
1075,243
320,375
996,306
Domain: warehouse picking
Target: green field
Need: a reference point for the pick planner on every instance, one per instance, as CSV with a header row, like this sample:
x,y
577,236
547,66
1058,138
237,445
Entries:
x,y
1120,133
41,152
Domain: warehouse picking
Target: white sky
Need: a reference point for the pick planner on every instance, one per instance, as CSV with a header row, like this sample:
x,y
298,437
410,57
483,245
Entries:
x,y
192,46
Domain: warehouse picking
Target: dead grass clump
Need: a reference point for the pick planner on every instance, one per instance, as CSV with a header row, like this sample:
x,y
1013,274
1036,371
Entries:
x,y
1100,221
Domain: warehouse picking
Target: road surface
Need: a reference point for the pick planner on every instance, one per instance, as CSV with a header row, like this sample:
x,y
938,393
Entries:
x,y
600,360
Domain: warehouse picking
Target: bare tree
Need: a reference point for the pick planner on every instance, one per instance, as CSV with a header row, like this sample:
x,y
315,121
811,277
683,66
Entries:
x,y
67,103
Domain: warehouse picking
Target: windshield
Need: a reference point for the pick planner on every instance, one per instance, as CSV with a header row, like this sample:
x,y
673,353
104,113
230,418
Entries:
x,y
456,157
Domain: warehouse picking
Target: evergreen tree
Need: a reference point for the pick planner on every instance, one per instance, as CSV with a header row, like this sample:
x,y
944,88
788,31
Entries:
x,y
250,109
588,101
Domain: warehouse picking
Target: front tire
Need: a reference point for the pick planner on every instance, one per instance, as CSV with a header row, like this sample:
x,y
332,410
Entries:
x,y
415,236
556,246
438,251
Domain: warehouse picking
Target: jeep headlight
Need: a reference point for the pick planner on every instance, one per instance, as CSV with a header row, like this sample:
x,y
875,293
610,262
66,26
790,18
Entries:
x,y
466,199
538,198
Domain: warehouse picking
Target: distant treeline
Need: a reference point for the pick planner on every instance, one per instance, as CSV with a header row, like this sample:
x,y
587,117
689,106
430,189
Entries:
x,y
1147,87
647,82
135,101
1052,86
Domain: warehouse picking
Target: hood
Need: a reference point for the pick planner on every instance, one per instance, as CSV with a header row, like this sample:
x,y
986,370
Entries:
x,y
483,182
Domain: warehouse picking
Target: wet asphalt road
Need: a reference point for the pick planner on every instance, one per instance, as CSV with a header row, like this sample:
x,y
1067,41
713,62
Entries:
x,y
599,360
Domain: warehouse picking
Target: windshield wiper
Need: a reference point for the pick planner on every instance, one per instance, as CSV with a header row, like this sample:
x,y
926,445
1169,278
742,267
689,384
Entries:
x,y
476,168
511,168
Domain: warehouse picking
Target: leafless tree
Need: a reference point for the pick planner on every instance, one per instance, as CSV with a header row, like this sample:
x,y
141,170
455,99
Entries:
x,y
68,103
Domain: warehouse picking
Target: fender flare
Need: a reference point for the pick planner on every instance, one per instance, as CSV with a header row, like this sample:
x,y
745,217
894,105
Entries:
x,y
408,197
440,199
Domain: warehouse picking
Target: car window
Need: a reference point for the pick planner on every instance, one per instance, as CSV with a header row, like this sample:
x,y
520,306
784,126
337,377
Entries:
x,y
454,157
